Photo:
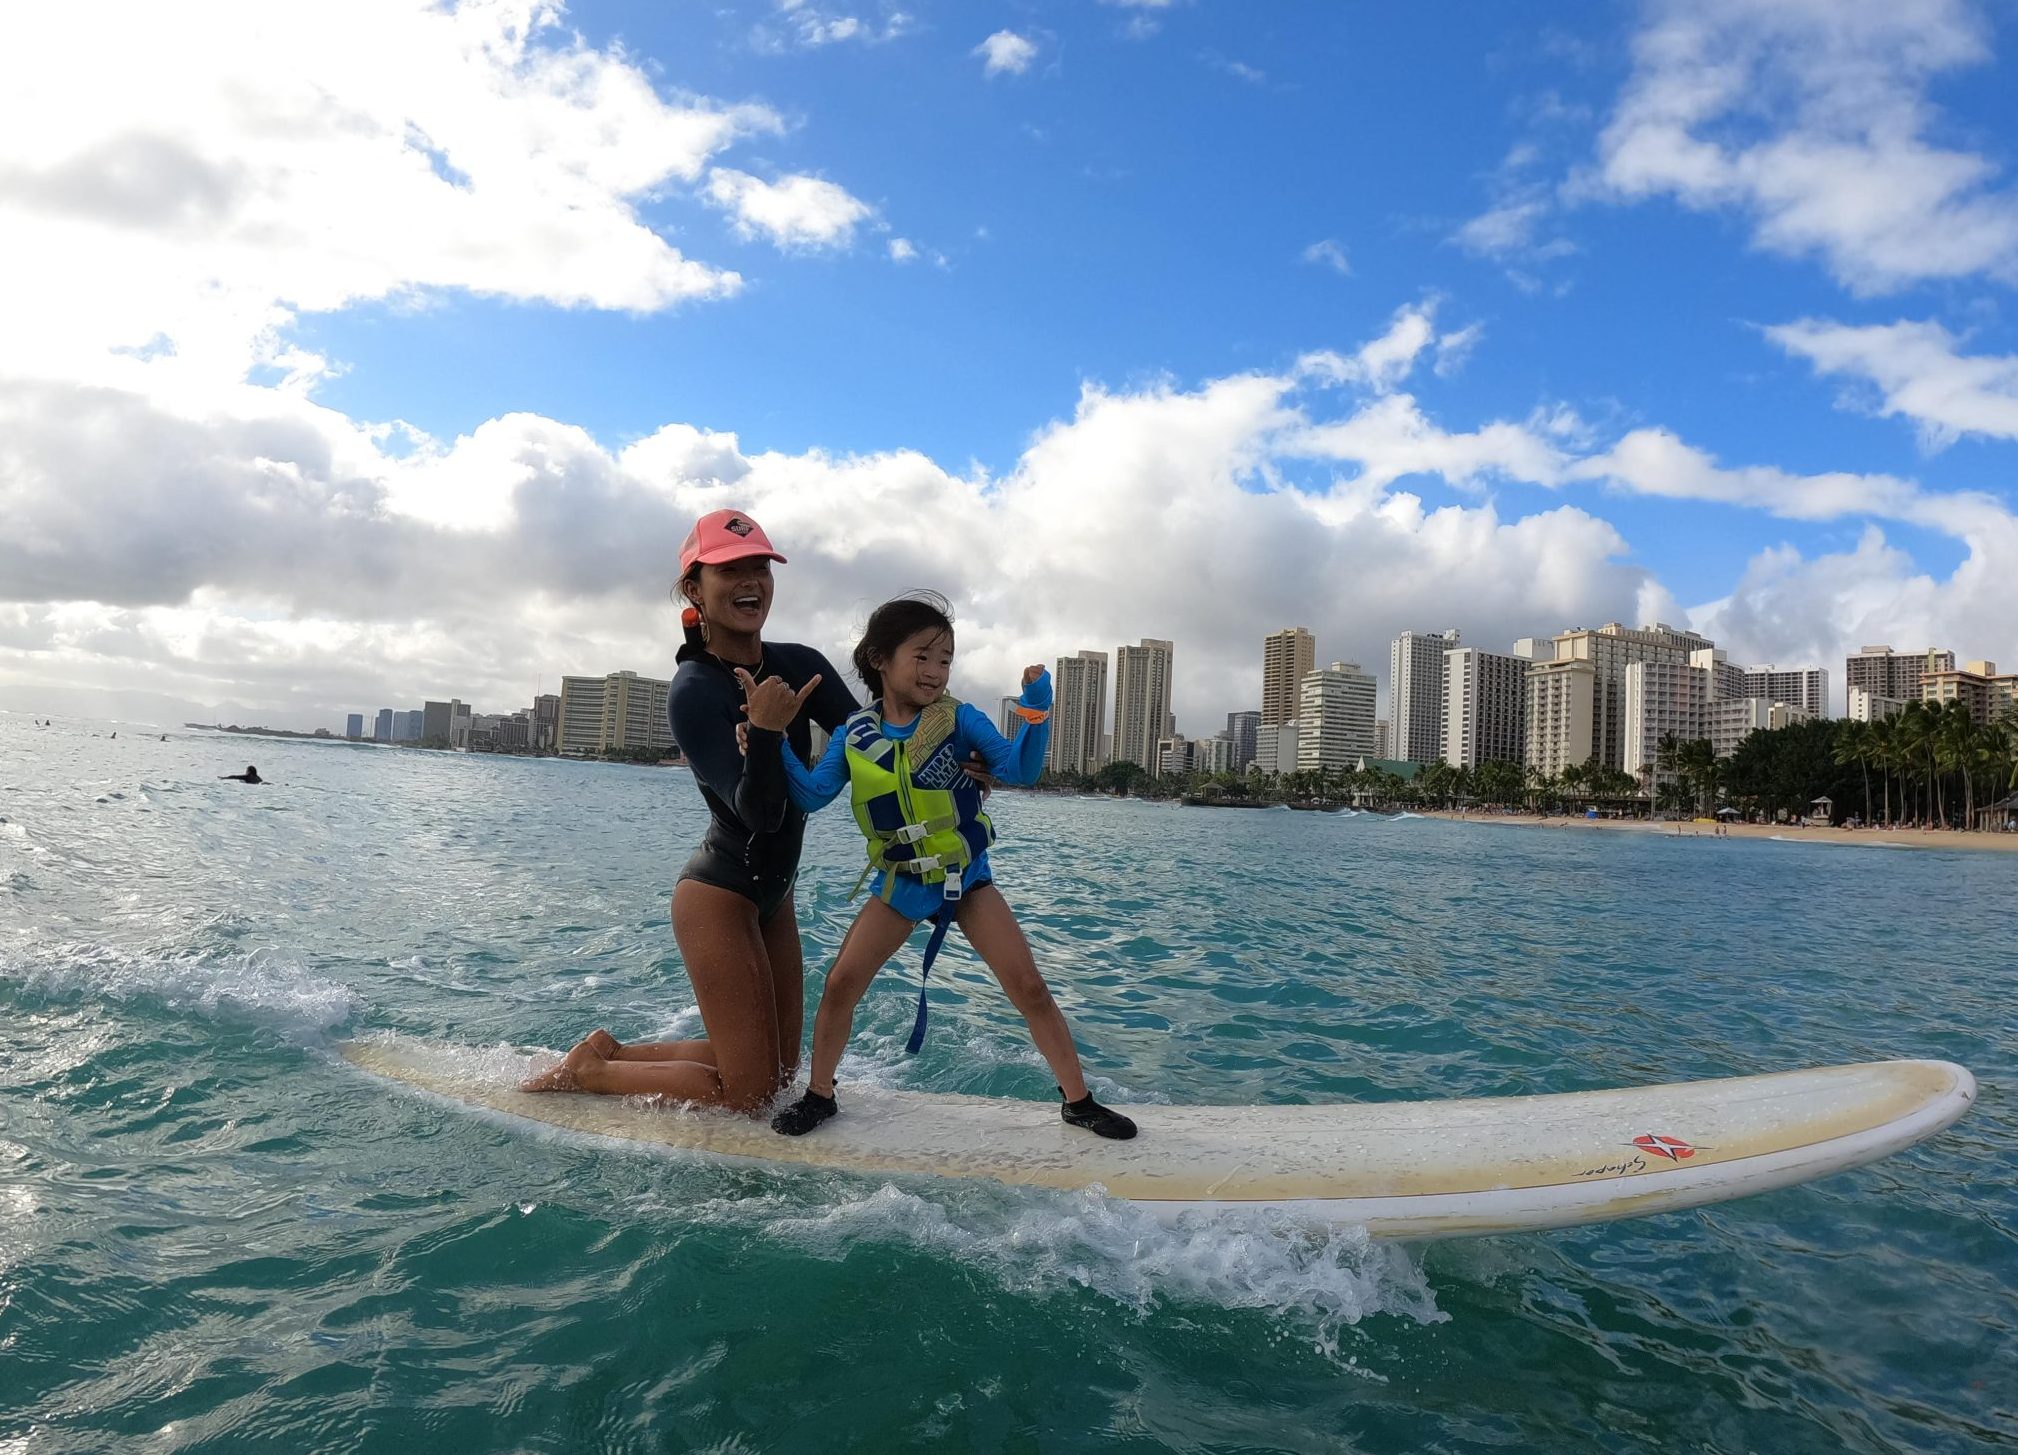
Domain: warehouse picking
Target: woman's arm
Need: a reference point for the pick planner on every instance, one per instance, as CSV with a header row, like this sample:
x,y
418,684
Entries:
x,y
704,725
812,789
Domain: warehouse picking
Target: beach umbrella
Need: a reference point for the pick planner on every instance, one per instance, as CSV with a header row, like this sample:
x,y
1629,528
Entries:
x,y
1727,812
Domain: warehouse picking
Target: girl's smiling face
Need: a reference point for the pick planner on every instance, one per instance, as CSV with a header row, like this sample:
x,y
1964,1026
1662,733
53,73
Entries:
x,y
915,675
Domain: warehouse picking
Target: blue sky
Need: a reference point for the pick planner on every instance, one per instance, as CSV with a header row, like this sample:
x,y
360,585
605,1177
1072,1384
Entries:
x,y
1133,208
1164,197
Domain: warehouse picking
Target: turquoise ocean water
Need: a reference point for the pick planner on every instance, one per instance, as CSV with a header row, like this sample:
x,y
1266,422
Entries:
x,y
215,1235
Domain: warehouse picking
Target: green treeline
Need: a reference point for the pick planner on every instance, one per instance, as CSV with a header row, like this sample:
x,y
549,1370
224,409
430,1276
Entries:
x,y
1929,764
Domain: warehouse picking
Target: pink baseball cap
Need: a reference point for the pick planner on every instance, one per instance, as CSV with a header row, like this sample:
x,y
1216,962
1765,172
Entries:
x,y
724,535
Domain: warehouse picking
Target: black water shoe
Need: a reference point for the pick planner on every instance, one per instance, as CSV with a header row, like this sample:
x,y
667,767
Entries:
x,y
1102,1121
804,1114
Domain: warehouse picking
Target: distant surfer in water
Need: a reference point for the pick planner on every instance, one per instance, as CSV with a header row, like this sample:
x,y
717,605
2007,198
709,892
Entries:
x,y
250,775
928,845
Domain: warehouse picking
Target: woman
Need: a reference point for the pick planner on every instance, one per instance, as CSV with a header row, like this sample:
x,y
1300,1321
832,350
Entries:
x,y
732,909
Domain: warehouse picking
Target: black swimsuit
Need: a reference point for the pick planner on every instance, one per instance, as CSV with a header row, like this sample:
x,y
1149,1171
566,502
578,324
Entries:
x,y
754,834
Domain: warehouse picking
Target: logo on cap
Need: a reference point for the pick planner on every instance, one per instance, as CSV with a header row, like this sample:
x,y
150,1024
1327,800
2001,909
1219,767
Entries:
x,y
736,525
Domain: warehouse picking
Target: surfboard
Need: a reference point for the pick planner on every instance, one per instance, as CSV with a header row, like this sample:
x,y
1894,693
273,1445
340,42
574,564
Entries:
x,y
1403,1169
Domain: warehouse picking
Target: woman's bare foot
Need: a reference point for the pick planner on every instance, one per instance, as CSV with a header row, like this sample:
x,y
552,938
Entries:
x,y
567,1075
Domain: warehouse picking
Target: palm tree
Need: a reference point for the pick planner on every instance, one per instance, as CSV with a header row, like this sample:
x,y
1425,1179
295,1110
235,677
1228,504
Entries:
x,y
1853,745
1885,750
1953,741
1915,751
1700,769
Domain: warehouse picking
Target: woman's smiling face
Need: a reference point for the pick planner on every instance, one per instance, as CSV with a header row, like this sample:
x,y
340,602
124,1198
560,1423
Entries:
x,y
736,595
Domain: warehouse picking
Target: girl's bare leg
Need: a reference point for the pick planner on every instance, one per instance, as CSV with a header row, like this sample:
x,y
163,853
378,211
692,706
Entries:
x,y
877,934
990,926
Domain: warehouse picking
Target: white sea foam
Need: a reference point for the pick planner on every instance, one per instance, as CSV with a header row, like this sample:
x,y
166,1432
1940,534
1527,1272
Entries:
x,y
265,986
1317,1278
1848,843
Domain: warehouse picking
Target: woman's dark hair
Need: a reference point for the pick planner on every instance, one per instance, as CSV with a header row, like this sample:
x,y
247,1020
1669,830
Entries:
x,y
691,626
894,623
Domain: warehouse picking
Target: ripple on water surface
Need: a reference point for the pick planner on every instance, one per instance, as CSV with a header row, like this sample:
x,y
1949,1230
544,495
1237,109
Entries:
x,y
215,1234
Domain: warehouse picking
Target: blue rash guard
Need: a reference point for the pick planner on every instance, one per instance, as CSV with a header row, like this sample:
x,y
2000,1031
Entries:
x,y
1017,760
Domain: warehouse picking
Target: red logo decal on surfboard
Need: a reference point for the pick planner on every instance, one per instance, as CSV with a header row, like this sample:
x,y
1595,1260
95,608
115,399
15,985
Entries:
x,y
1672,1148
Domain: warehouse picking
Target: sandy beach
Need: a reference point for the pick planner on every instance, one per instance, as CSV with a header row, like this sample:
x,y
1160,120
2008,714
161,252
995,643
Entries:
x,y
1785,833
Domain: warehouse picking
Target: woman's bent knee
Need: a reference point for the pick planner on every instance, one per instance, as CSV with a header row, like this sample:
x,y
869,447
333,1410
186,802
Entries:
x,y
747,1095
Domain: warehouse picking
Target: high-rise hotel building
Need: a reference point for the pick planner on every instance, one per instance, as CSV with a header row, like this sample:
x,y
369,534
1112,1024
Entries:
x,y
1804,687
1561,714
1663,699
1079,714
1286,659
608,714
1610,649
1884,673
1335,717
1485,707
1708,698
1976,686
1415,690
1243,730
1141,701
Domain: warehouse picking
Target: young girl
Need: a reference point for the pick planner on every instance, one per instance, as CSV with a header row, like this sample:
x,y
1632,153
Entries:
x,y
928,845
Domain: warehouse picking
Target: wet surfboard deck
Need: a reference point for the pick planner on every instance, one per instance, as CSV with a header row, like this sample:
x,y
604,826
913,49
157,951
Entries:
x,y
1403,1169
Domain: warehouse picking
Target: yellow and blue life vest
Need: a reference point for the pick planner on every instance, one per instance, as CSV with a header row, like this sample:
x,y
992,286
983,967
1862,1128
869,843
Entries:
x,y
920,813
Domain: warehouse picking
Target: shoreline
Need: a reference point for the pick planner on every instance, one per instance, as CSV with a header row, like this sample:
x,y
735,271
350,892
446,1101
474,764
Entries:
x,y
1782,833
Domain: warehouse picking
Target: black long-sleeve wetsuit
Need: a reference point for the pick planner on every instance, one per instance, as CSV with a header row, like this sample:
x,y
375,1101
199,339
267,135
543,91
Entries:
x,y
754,834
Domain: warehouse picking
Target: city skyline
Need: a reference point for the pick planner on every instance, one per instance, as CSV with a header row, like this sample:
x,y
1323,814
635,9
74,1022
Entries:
x,y
275,451
1481,722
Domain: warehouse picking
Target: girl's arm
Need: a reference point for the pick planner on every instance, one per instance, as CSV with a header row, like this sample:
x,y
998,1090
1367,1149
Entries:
x,y
812,789
1014,760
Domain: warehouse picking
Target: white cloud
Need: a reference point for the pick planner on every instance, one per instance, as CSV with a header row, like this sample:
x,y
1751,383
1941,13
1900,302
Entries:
x,y
1453,348
1390,438
1327,252
806,26
1504,229
1006,53
793,212
1381,364
326,575
1811,118
903,250
253,548
219,170
1239,70
1918,372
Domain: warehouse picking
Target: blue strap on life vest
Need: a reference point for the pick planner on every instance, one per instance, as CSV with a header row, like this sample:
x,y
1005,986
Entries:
x,y
941,922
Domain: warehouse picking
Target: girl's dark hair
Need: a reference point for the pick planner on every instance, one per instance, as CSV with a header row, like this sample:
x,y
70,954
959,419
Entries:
x,y
894,623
